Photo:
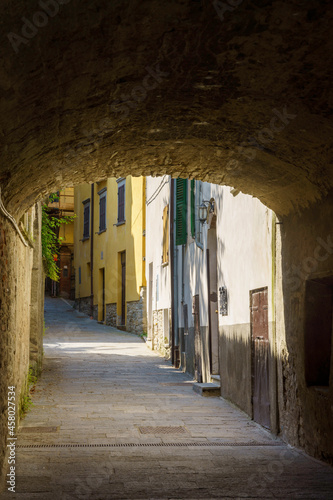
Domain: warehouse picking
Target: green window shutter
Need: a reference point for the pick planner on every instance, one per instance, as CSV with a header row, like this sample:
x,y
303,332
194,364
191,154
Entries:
x,y
181,211
192,208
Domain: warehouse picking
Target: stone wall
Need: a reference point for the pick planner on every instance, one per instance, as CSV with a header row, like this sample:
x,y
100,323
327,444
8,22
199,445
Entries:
x,y
160,342
21,319
135,316
83,304
111,314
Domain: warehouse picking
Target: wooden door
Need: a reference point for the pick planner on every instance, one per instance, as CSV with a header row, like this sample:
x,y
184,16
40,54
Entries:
x,y
260,357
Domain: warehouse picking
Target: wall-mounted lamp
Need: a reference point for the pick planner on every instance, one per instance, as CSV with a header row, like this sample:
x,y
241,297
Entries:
x,y
203,210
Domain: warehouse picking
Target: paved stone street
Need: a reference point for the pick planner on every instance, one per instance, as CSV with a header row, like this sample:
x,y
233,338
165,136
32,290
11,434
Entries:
x,y
112,420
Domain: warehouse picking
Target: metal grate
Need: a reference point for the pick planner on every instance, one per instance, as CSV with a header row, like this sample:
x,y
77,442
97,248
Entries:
x,y
162,430
38,429
195,444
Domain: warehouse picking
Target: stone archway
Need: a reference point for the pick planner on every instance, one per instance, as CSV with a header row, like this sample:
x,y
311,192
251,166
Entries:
x,y
236,95
186,88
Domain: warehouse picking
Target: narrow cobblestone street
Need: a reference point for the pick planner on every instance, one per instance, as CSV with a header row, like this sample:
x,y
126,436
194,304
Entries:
x,y
112,420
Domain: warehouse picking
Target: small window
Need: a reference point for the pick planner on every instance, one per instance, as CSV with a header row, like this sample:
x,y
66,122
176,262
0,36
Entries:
x,y
80,275
102,210
121,200
165,256
65,272
86,219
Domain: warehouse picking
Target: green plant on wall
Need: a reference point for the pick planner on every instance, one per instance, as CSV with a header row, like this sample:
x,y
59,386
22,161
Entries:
x,y
26,401
50,240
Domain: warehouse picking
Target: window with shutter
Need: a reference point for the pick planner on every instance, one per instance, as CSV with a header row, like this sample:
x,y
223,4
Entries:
x,y
121,201
181,211
86,219
193,208
165,257
102,210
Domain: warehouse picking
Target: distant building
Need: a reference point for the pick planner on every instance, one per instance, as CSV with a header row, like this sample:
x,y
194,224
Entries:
x,y
60,206
110,251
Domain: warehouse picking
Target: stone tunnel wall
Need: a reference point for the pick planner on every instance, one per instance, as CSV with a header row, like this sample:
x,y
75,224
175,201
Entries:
x,y
21,286
305,406
241,98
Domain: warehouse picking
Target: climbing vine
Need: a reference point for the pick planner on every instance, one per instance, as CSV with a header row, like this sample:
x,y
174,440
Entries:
x,y
50,239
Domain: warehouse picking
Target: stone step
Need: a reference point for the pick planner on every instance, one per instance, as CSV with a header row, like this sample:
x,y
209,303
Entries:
x,y
216,379
207,389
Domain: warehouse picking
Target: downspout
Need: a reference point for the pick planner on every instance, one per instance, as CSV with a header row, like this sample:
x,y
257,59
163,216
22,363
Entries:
x,y
92,203
172,267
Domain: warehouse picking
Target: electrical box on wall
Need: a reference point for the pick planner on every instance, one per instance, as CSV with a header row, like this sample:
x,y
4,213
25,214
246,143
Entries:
x,y
223,300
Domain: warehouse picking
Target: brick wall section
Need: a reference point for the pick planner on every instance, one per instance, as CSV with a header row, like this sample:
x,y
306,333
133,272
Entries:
x,y
16,265
111,314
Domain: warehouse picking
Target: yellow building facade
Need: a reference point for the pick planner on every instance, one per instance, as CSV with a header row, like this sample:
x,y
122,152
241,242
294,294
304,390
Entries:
x,y
109,251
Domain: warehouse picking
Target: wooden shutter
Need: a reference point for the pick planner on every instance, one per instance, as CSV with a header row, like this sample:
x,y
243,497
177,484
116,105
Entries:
x,y
86,223
181,211
121,203
102,213
165,257
193,208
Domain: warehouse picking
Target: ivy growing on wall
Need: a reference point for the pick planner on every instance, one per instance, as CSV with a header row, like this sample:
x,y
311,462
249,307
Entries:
x,y
50,239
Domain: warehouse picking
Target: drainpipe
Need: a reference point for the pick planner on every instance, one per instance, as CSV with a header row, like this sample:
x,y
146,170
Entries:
x,y
92,203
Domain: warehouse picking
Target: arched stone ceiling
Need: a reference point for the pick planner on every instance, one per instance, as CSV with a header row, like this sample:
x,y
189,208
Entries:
x,y
235,92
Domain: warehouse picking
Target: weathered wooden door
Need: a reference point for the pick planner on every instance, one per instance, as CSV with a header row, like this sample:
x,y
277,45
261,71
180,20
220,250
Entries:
x,y
123,288
260,357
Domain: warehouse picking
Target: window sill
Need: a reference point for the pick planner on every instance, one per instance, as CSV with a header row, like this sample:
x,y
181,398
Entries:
x,y
120,223
85,238
164,264
102,231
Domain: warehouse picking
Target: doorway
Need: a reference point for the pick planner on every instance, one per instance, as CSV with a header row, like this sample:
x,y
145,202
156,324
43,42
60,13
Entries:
x,y
150,302
260,356
101,295
123,288
213,317
197,340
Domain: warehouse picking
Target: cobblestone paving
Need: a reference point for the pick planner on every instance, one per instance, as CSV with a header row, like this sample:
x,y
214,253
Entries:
x,y
112,420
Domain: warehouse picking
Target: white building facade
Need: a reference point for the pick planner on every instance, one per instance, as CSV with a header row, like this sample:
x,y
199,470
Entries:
x,y
218,289
158,265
